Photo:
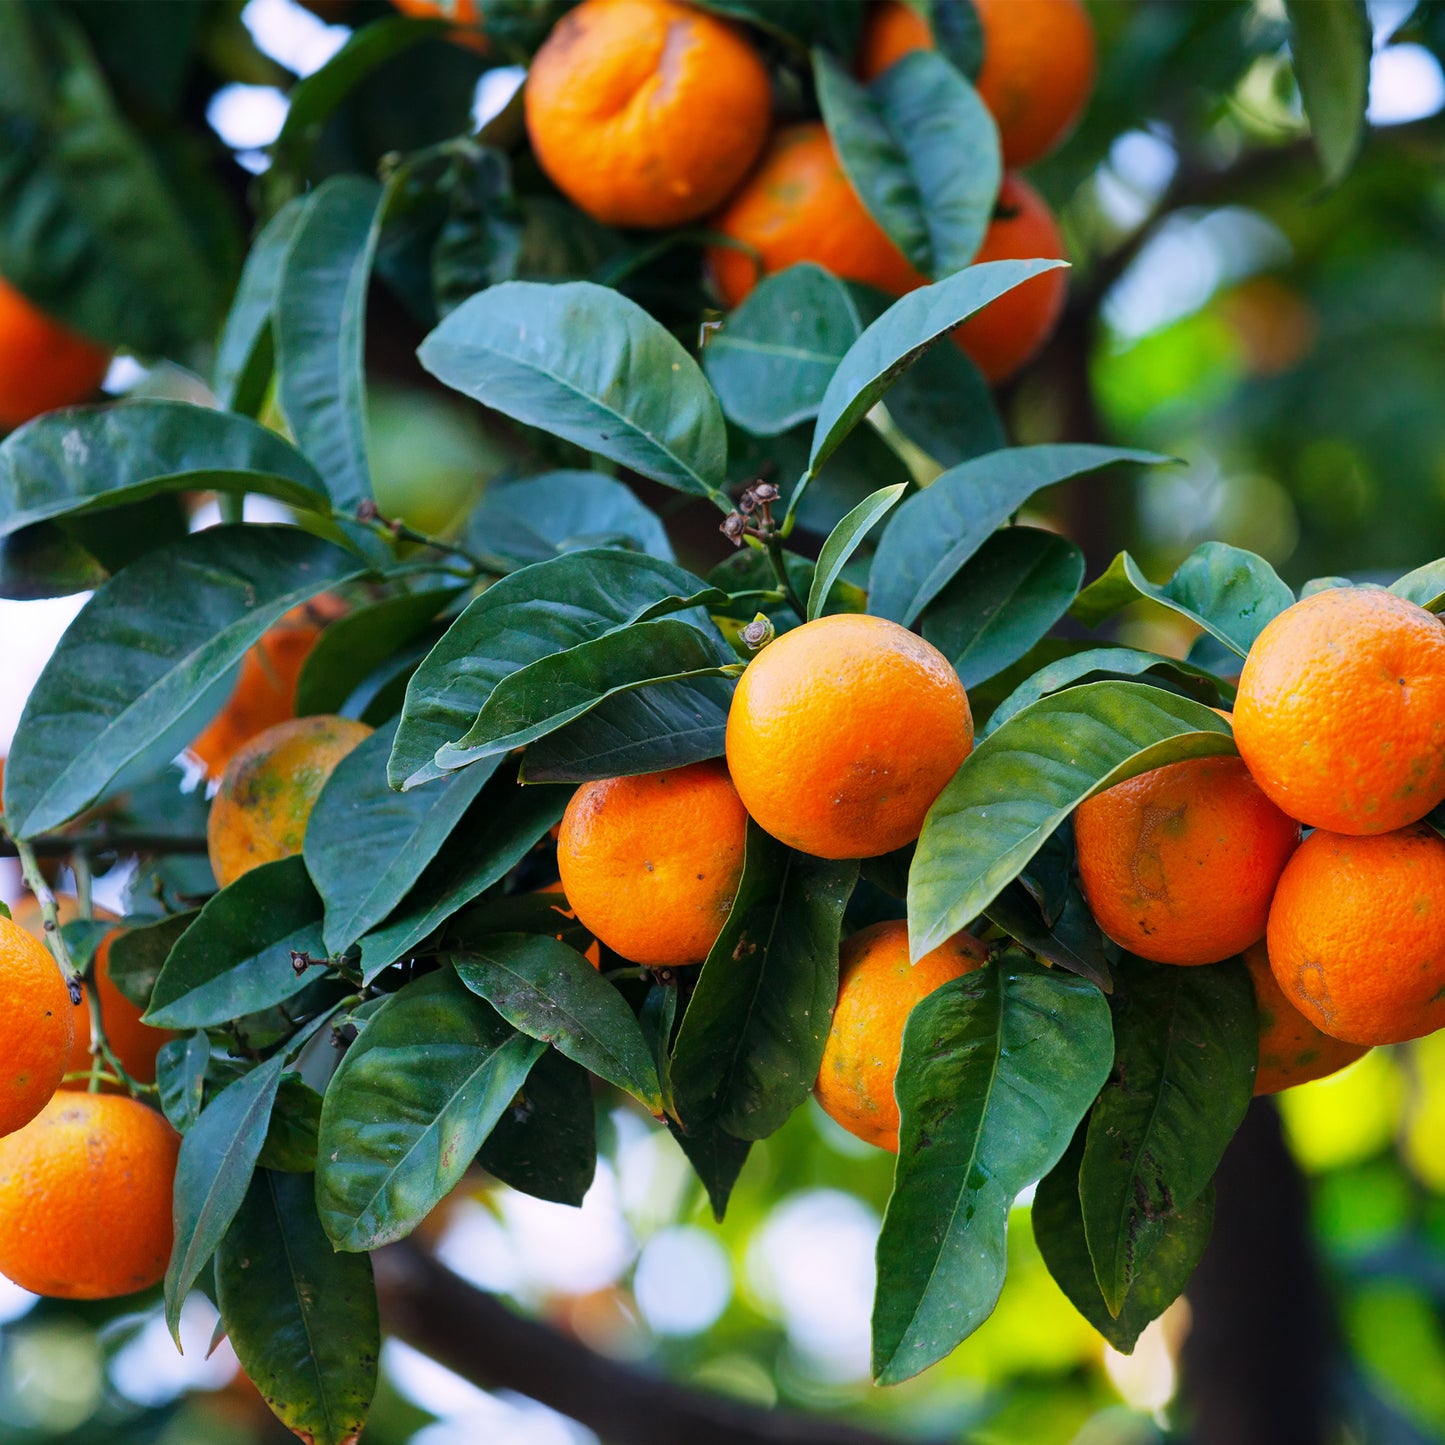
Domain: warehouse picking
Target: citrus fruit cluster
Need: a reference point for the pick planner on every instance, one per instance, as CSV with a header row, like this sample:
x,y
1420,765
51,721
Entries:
x,y
654,113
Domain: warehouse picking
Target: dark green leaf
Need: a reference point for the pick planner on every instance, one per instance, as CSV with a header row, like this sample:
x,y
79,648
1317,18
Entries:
x,y
717,1159
545,1143
752,1038
89,459
492,840
1019,784
1071,941
800,22
922,152
1187,1045
409,1107
181,1078
366,845
936,531
550,992
903,332
958,34
998,1068
1095,663
943,404
538,517
1231,593
45,561
772,358
1003,601
138,954
1059,1232
320,331
585,363
246,352
538,611
295,1123
147,653
844,540
236,957
553,691
302,1317
667,726
1330,41
354,646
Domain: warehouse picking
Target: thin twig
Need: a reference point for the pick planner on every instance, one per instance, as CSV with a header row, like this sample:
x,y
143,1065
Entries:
x,y
50,912
64,845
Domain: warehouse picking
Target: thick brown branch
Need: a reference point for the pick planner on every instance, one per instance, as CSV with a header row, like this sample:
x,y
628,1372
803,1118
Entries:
x,y
472,1333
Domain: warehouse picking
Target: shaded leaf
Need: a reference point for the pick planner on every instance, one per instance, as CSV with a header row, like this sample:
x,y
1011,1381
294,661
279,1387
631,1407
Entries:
x,y
1072,940
1330,41
717,1158
181,1078
291,1140
138,954
545,1143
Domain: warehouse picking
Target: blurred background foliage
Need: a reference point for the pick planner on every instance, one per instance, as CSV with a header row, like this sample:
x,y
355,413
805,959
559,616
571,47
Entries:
x,y
1287,344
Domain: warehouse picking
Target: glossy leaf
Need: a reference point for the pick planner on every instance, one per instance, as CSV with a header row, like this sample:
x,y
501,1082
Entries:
x,y
751,1041
550,992
320,329
141,670
235,958
553,691
890,344
922,152
1187,1045
409,1107
538,517
246,352
181,1078
302,1317
366,844
88,459
350,649
1018,785
844,540
717,1158
1059,1233
1425,586
138,954
491,841
666,726
1095,663
937,530
545,1143
1330,41
1231,593
1008,597
998,1068
543,609
771,360
587,364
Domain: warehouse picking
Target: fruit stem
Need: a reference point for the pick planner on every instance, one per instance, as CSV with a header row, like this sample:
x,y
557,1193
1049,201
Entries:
x,y
54,939
773,542
397,530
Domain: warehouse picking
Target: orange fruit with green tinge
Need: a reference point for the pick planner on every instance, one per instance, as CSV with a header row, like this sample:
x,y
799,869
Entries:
x,y
646,112
842,733
43,365
800,206
651,864
877,989
37,1029
1357,934
1291,1049
260,812
85,1198
1340,712
1179,864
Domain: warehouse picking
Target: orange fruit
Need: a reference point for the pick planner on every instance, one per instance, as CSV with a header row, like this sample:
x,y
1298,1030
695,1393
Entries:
x,y
43,365
1357,934
1274,325
85,1198
1179,864
1340,712
265,691
1038,71
646,112
877,989
800,206
842,732
891,30
36,1026
260,811
1011,330
651,863
594,952
1291,1049
467,13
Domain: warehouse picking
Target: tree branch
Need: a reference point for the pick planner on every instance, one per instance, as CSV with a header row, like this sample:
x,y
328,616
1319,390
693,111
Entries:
x,y
472,1333
62,845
